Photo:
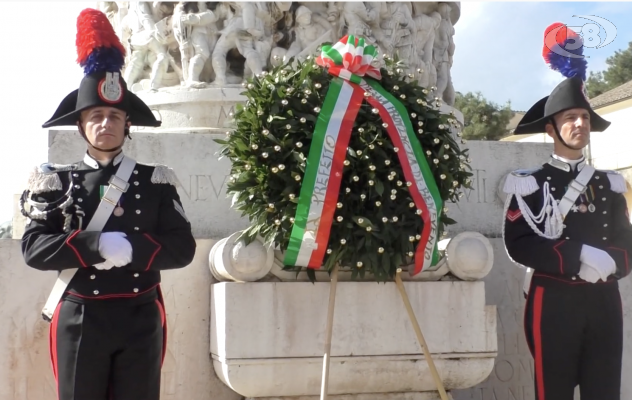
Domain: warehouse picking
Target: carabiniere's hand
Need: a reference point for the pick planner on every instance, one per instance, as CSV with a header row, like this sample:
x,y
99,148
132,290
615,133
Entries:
x,y
589,274
599,260
115,248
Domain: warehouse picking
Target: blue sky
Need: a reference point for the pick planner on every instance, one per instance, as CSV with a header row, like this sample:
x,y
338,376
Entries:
x,y
499,45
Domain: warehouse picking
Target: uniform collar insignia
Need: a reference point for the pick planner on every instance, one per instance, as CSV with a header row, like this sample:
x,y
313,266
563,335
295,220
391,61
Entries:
x,y
566,165
92,163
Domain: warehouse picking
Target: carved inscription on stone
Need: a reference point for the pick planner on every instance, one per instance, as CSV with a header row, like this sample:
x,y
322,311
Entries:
x,y
204,187
478,192
224,115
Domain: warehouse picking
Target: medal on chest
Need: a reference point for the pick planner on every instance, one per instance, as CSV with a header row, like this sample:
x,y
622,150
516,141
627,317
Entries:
x,y
586,201
588,198
118,210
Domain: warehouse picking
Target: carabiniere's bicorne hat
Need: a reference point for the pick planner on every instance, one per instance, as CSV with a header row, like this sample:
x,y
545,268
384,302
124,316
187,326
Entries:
x,y
102,56
570,93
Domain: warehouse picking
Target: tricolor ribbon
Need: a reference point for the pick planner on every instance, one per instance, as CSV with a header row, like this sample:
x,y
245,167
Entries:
x,y
349,59
350,62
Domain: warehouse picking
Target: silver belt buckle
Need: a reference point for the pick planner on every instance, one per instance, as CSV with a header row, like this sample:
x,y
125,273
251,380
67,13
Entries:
x,y
118,184
577,186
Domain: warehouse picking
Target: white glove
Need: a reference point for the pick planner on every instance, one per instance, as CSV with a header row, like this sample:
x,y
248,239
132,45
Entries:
x,y
589,274
599,260
106,265
115,248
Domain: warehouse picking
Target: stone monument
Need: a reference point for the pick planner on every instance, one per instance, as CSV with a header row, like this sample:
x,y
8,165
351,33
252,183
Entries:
x,y
188,61
178,46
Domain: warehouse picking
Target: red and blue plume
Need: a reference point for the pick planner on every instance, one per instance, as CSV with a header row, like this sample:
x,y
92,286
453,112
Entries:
x,y
98,47
563,51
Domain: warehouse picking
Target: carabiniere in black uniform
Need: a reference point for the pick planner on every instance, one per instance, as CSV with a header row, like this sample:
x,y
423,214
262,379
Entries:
x,y
569,321
573,326
153,220
108,328
160,235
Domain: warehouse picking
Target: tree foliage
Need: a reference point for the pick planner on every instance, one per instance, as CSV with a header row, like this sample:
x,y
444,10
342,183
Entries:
x,y
619,71
483,119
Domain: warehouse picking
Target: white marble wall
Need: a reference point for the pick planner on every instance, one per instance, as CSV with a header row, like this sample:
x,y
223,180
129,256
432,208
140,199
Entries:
x,y
24,363
25,367
204,177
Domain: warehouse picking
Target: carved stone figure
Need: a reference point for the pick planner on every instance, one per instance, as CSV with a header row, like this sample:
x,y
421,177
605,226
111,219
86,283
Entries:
x,y
425,28
308,32
235,36
248,12
195,29
115,11
336,17
321,13
443,50
195,43
278,22
147,41
358,19
394,30
111,9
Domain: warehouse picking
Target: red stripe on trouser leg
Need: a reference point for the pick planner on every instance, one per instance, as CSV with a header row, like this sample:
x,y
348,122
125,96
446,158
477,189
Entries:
x,y
525,322
52,344
537,341
160,302
162,313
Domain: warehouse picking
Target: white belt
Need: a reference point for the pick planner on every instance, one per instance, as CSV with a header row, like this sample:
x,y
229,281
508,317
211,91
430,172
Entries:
x,y
118,186
575,188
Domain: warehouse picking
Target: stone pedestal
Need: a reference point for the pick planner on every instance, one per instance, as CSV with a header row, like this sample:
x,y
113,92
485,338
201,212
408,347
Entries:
x,y
370,396
267,338
24,354
193,110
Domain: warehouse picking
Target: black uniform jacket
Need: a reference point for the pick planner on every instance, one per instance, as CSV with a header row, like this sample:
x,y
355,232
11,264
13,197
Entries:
x,y
153,220
599,218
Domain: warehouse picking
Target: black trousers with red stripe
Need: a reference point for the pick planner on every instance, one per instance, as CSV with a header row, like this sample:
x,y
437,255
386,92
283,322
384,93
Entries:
x,y
108,351
575,333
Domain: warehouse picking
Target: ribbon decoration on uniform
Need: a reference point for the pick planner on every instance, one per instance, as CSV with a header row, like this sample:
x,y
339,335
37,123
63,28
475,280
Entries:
x,y
349,61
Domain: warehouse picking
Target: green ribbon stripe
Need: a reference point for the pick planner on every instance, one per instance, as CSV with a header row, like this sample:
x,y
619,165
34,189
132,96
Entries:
x,y
311,170
419,154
